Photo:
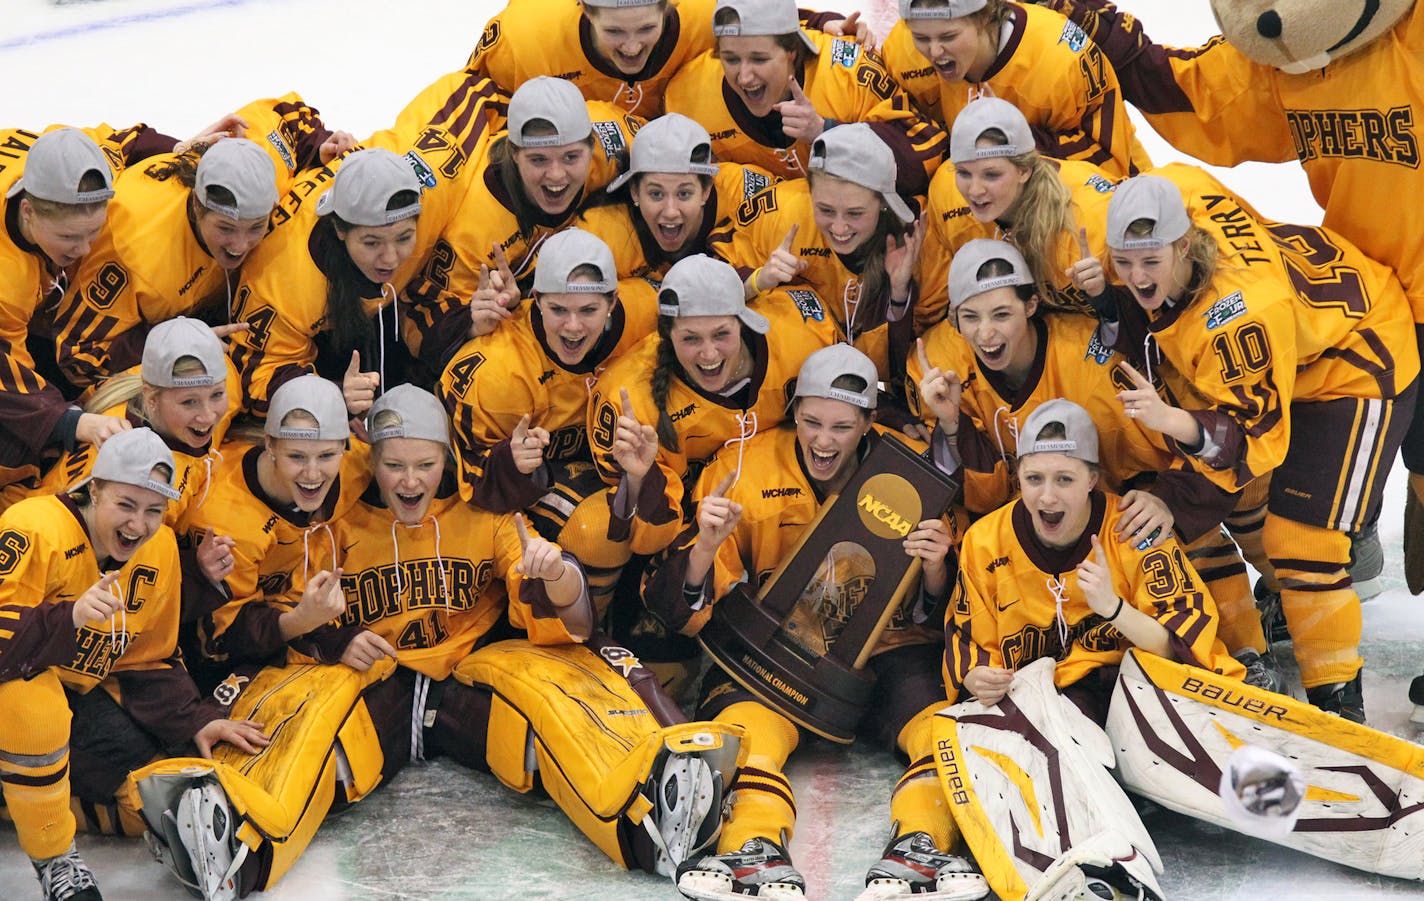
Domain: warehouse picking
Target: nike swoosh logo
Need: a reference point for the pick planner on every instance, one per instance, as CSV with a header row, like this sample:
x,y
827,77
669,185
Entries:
x,y
348,547
1003,607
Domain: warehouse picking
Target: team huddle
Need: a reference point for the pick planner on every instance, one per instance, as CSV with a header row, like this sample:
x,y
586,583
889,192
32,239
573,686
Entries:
x,y
322,454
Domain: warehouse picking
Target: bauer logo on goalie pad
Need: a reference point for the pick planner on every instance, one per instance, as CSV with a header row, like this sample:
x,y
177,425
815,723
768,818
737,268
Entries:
x,y
1176,727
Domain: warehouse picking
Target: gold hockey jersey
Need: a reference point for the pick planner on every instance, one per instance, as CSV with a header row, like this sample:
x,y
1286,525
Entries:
x,y
433,600
949,226
704,423
277,549
46,563
1048,68
149,264
636,252
1005,608
845,82
496,379
529,38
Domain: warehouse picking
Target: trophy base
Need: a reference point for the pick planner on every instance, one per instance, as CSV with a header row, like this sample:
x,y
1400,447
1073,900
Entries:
x,y
820,694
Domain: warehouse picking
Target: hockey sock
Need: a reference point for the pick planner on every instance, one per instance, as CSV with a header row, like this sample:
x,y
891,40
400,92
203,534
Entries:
x,y
1245,523
1321,608
34,763
762,803
918,803
1219,563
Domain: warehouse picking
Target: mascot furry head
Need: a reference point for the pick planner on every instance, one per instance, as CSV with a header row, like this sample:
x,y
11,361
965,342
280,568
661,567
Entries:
x,y
1297,36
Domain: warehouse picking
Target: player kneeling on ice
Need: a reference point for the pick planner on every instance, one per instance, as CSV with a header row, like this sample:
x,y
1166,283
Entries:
x,y
414,611
89,589
1043,578
757,505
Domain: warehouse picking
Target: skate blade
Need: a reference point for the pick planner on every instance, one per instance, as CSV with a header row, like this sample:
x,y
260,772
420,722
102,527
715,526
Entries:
x,y
703,886
681,825
1369,589
958,887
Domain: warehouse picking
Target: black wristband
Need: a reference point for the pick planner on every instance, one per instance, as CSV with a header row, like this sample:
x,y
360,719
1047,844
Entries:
x,y
1116,612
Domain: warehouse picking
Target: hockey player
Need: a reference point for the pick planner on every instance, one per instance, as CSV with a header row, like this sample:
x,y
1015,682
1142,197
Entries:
x,y
619,51
1000,356
665,206
946,53
1001,186
1294,359
1047,576
770,88
186,391
714,375
90,600
527,184
272,506
429,580
55,203
844,232
318,301
744,530
179,229
519,400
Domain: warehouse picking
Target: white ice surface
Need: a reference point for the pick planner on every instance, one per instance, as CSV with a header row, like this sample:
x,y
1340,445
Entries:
x,y
441,832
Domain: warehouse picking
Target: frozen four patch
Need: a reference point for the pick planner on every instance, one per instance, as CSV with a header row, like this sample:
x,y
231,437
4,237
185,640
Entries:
x,y
423,173
1232,306
844,53
808,303
1073,36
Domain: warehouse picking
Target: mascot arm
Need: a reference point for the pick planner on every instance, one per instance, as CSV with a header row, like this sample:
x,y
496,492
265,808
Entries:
x,y
1187,94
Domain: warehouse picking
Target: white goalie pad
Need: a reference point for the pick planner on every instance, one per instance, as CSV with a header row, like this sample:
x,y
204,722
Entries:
x,y
1028,780
1175,727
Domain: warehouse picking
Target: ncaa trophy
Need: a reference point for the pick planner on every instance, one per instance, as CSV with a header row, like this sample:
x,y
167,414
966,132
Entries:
x,y
801,643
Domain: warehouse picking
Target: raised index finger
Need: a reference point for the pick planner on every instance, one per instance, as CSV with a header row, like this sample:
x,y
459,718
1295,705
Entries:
x,y
354,366
1083,249
107,580
1137,377
522,529
796,92
924,357
627,403
724,486
790,238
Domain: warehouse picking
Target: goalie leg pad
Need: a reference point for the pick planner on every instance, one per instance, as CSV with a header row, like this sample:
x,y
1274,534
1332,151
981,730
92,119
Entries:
x,y
1175,727
1027,780
565,714
277,798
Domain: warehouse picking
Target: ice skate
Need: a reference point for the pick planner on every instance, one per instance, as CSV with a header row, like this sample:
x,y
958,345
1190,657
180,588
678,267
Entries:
x,y
759,869
1273,618
66,877
1262,671
1344,698
687,795
913,866
205,826
1366,561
